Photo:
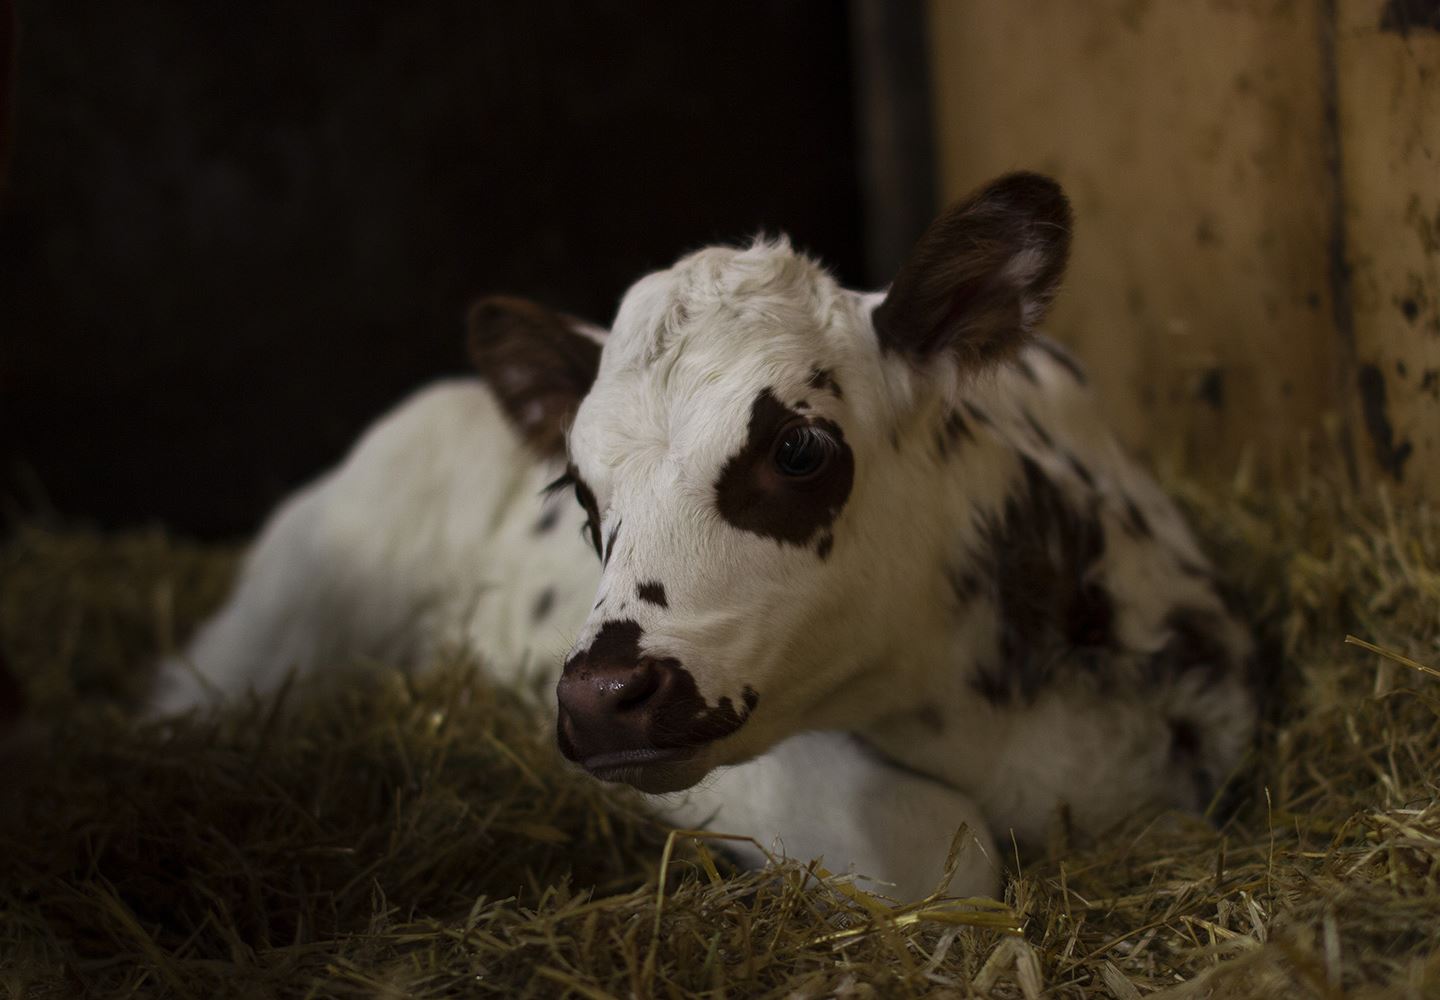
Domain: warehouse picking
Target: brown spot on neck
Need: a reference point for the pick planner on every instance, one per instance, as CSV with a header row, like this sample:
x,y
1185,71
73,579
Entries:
x,y
652,592
1052,612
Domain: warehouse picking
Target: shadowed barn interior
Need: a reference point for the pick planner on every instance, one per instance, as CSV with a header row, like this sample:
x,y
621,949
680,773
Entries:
x,y
232,236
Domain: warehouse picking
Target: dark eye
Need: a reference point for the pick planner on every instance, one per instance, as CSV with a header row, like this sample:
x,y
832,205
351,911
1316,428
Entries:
x,y
803,452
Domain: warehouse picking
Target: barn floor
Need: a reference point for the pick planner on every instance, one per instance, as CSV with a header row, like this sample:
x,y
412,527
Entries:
x,y
418,837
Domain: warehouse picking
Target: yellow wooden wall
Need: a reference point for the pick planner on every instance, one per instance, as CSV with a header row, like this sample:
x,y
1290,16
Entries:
x,y
1257,195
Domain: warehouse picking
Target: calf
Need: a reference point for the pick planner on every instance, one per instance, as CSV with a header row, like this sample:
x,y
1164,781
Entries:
x,y
871,562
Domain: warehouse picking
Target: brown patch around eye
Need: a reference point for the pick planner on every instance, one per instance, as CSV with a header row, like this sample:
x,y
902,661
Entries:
x,y
754,496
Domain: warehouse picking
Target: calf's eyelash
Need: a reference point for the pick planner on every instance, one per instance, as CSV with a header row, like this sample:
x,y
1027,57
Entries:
x,y
565,481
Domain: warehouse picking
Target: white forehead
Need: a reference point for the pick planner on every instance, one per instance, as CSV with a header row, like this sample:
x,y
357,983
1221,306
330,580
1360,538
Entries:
x,y
724,299
693,345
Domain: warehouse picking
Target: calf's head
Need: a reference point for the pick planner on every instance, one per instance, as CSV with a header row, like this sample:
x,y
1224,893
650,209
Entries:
x,y
740,452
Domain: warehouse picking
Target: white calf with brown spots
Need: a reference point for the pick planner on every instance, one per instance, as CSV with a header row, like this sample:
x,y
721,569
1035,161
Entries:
x,y
837,570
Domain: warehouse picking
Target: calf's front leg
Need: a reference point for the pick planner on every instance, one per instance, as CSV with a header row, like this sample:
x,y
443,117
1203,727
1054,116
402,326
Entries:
x,y
827,795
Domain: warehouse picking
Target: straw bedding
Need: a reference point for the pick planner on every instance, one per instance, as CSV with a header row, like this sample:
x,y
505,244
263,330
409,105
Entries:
x,y
417,836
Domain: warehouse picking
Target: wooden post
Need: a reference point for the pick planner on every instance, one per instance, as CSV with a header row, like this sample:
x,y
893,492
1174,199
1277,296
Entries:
x,y
1387,59
1192,139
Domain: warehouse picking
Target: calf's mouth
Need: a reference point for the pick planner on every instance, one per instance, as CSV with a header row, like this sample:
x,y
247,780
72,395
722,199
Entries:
x,y
652,771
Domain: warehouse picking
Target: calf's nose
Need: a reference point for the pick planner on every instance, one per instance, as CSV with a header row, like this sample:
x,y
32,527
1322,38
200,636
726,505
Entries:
x,y
609,708
605,692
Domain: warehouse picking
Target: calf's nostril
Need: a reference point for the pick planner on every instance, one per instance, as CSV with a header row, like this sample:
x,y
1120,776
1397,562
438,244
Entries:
x,y
598,694
639,687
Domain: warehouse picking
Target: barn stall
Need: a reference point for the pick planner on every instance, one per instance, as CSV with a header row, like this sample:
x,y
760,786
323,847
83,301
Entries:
x,y
1256,290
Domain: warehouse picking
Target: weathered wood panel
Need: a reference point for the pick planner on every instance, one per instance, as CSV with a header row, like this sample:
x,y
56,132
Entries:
x,y
1193,139
1388,71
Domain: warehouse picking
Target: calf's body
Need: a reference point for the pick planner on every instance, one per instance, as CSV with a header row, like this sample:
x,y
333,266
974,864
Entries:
x,y
434,533
847,570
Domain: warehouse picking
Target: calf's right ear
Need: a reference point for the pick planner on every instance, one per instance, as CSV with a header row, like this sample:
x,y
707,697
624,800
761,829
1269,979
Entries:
x,y
538,362
981,277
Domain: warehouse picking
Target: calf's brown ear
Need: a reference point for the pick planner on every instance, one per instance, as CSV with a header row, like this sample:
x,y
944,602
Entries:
x,y
982,276
539,364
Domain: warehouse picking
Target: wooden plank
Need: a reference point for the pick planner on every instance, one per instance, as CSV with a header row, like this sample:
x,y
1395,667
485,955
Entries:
x,y
1389,113
1191,137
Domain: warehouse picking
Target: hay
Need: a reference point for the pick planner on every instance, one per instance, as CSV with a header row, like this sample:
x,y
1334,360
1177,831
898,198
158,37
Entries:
x,y
419,836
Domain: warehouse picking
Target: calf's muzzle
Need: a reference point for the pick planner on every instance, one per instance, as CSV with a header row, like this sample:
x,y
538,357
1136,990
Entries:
x,y
628,716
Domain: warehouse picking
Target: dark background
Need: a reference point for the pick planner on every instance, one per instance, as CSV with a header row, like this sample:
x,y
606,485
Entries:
x,y
234,233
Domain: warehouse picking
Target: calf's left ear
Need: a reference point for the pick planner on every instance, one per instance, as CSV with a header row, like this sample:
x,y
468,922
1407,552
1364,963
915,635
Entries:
x,y
981,277
539,364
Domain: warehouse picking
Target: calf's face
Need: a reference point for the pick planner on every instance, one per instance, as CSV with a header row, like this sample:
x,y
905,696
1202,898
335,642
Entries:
x,y
738,455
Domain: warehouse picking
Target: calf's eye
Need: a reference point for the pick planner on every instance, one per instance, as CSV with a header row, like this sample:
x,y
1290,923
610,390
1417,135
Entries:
x,y
803,452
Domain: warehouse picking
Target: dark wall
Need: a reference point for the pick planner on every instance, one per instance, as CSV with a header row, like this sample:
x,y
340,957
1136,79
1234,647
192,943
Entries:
x,y
234,233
